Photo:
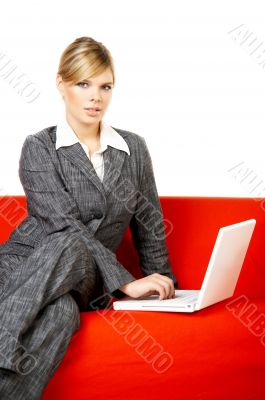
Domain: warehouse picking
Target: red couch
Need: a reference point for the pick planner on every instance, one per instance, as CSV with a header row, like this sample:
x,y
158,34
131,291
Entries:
x,y
215,353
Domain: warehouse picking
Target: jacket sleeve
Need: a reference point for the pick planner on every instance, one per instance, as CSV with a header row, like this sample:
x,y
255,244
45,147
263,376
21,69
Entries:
x,y
147,224
56,210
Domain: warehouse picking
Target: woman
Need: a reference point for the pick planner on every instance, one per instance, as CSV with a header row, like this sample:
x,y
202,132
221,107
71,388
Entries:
x,y
85,182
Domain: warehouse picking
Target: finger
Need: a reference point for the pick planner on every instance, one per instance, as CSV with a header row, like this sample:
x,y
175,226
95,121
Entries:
x,y
168,285
151,292
160,289
166,289
167,279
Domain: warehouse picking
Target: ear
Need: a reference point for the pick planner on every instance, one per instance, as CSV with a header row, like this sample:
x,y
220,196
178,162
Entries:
x,y
60,84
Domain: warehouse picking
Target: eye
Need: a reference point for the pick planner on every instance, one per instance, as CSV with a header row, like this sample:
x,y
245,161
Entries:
x,y
81,84
108,86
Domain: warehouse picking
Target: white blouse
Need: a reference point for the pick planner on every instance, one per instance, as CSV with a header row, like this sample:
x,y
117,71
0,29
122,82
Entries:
x,y
65,136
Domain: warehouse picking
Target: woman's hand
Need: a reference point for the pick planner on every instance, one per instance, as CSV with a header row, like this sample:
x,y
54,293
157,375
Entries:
x,y
151,284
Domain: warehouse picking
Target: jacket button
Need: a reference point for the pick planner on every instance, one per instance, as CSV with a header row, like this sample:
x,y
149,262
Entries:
x,y
98,215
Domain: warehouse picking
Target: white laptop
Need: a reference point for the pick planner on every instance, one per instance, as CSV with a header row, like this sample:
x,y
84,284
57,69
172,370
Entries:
x,y
220,279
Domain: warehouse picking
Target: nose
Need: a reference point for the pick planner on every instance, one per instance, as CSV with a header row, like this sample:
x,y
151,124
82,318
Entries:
x,y
94,95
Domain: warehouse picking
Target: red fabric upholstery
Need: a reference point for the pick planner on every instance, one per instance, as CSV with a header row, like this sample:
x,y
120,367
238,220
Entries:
x,y
216,353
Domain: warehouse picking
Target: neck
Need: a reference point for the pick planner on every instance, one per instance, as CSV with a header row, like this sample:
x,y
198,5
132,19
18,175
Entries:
x,y
84,132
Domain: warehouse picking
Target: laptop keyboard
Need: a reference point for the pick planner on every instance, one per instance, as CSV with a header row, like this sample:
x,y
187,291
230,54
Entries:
x,y
183,297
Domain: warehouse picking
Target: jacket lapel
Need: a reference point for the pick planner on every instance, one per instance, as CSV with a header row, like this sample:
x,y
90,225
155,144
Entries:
x,y
113,162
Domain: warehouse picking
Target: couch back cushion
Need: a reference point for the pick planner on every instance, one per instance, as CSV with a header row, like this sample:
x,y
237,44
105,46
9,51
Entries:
x,y
191,226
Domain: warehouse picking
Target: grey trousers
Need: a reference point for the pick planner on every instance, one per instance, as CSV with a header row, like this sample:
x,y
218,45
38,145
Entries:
x,y
41,297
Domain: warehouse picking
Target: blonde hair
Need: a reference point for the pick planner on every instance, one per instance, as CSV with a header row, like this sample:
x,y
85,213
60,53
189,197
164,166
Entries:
x,y
83,59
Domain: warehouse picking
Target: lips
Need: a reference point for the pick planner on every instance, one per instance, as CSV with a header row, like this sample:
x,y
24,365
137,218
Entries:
x,y
93,108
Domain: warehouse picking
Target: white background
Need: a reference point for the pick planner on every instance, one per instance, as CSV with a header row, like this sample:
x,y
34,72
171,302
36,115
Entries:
x,y
183,81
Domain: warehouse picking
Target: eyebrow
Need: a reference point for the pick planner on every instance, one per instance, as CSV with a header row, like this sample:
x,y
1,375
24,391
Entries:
x,y
106,83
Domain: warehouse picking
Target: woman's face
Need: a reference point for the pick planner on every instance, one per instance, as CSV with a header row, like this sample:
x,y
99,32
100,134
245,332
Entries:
x,y
95,93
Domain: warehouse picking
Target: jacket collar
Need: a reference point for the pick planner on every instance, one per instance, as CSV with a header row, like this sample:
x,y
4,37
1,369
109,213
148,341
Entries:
x,y
113,161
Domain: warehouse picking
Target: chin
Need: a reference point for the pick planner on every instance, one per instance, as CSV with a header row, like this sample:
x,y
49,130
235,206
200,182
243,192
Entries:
x,y
90,120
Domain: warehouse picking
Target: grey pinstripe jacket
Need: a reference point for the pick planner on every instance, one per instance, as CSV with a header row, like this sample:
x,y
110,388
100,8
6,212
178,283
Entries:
x,y
64,193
